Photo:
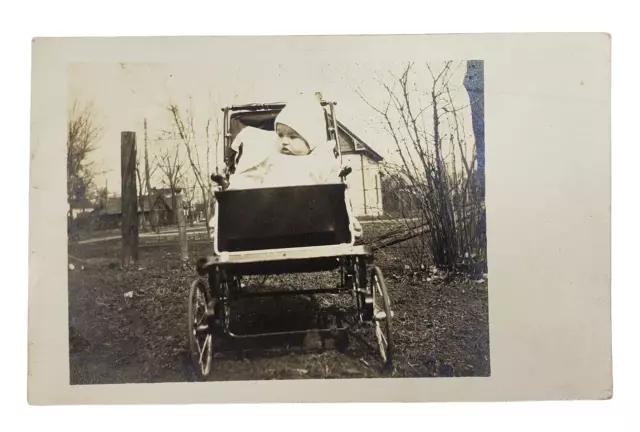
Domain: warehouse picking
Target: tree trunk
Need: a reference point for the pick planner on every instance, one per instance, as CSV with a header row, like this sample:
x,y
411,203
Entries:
x,y
207,211
147,175
182,229
174,206
474,84
129,200
139,203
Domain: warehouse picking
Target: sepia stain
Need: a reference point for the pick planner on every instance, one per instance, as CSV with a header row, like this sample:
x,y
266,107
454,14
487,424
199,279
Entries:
x,y
582,83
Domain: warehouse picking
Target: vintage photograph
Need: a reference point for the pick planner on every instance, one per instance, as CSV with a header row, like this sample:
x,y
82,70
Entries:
x,y
236,220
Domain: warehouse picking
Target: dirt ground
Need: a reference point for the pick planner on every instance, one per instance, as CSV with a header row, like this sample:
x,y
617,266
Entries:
x,y
440,326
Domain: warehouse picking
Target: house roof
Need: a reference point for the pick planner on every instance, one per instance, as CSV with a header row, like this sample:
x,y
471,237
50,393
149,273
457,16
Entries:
x,y
165,200
353,144
165,191
145,203
82,204
113,206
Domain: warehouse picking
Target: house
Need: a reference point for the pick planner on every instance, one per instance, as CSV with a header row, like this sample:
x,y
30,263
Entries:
x,y
364,182
80,216
160,212
80,207
109,214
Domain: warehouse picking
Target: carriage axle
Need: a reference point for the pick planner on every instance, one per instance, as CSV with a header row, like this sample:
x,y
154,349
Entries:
x,y
288,333
314,291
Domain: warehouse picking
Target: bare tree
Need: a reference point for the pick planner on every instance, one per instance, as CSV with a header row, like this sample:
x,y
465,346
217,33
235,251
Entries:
x,y
144,180
172,166
139,200
83,134
189,192
148,172
189,138
435,167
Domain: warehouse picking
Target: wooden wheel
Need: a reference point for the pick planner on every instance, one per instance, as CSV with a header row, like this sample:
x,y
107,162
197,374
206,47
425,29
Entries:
x,y
382,316
200,333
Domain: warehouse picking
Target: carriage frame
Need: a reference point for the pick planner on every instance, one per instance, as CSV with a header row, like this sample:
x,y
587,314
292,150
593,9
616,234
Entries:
x,y
315,236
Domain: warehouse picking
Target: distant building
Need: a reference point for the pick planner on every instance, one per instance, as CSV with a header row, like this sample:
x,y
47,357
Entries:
x,y
159,213
162,209
364,182
80,207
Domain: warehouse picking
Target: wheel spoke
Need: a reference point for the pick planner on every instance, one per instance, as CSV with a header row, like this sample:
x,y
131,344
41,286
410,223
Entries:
x,y
200,334
381,343
210,355
199,321
202,350
198,345
378,288
384,338
382,316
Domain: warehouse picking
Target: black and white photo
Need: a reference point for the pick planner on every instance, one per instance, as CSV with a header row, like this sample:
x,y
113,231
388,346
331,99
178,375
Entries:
x,y
403,218
306,220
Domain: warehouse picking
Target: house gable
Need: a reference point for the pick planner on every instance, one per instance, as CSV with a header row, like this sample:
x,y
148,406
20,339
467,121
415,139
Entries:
x,y
350,143
162,203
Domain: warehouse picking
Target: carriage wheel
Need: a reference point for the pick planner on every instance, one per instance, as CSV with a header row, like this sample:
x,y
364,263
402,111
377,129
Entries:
x,y
200,335
382,316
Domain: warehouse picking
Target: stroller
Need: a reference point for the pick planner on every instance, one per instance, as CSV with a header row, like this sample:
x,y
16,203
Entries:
x,y
312,233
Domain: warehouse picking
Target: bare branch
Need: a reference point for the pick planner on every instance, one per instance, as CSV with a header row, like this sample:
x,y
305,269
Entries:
x,y
83,134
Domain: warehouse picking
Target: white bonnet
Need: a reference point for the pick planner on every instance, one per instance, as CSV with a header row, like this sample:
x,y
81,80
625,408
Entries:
x,y
305,115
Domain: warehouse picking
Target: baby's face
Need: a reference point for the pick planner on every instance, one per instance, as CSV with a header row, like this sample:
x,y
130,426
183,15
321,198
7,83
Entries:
x,y
290,142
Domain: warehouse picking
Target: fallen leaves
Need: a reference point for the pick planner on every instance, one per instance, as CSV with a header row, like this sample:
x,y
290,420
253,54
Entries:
x,y
137,319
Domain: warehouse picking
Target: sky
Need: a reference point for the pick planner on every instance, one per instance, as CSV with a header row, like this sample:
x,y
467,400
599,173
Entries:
x,y
123,95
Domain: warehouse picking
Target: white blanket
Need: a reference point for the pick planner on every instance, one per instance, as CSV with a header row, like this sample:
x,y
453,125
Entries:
x,y
261,165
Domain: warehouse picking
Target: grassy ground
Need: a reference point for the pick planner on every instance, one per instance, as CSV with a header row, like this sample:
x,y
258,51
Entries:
x,y
440,325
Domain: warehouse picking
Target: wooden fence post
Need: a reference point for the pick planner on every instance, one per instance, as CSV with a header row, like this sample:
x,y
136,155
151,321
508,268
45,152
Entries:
x,y
182,227
129,200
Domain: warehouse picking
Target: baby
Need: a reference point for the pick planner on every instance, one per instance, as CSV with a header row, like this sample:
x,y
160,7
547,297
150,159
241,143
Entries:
x,y
298,154
268,158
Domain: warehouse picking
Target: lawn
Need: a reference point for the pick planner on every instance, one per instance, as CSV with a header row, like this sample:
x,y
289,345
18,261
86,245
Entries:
x,y
440,326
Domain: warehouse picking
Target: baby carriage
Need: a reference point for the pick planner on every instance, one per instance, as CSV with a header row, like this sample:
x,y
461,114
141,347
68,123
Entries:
x,y
252,236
